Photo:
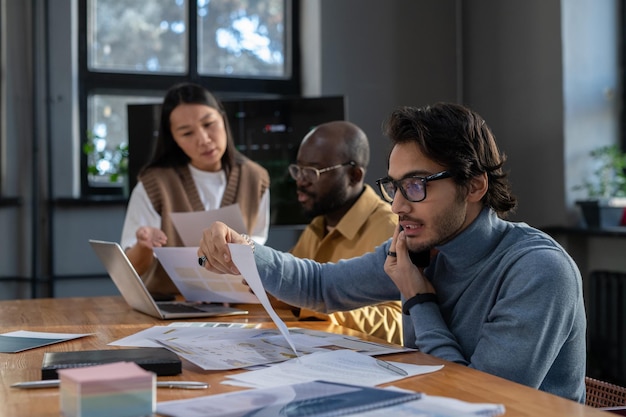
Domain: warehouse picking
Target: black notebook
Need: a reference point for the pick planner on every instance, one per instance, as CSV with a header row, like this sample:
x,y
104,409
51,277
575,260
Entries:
x,y
158,360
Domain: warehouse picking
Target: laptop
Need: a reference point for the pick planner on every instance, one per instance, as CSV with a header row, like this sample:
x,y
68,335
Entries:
x,y
135,293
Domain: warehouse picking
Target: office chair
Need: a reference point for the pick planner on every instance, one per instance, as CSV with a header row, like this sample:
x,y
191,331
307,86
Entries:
x,y
601,394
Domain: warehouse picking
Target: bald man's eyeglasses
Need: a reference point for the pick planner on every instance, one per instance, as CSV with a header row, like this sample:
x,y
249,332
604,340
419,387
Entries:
x,y
412,188
310,174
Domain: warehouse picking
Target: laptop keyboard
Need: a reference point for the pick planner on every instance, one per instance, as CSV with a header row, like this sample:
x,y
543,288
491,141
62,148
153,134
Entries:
x,y
179,308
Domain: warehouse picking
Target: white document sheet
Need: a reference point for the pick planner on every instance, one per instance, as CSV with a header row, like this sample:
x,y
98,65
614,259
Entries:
x,y
226,354
343,366
189,225
196,283
184,334
243,258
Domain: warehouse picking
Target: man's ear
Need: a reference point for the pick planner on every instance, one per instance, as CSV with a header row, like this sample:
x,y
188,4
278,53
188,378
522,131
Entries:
x,y
478,186
357,174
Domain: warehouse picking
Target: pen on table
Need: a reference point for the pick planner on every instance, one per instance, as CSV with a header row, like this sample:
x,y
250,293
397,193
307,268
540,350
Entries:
x,y
50,383
392,368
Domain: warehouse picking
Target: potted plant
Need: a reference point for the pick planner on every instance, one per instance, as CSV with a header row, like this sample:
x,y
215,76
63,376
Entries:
x,y
606,188
106,167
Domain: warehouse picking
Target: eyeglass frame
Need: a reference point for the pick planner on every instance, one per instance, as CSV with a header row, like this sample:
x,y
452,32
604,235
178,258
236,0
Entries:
x,y
397,183
318,172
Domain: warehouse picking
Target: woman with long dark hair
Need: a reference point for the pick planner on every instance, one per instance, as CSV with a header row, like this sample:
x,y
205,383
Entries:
x,y
194,167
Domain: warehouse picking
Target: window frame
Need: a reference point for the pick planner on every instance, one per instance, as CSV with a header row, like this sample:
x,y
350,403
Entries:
x,y
622,62
90,82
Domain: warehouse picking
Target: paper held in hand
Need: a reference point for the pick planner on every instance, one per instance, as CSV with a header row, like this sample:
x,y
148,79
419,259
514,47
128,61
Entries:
x,y
186,223
243,258
196,284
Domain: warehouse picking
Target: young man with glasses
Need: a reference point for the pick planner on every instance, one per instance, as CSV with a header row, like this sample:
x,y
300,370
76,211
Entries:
x,y
348,218
498,296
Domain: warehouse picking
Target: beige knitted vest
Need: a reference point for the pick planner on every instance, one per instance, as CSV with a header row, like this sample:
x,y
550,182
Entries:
x,y
172,190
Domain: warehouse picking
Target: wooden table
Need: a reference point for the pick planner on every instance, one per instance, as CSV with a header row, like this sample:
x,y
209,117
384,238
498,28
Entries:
x,y
109,318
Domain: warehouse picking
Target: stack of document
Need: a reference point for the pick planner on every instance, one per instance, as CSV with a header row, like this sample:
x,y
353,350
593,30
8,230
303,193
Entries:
x,y
340,366
318,398
221,348
325,399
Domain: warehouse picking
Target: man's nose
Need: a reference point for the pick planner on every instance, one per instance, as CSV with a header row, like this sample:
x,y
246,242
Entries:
x,y
301,180
400,205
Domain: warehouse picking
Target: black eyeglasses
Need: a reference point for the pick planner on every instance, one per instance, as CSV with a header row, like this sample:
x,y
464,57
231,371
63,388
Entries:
x,y
412,188
310,174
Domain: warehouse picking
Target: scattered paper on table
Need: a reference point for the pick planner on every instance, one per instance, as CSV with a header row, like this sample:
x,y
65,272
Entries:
x,y
223,324
236,353
148,337
343,366
435,406
222,347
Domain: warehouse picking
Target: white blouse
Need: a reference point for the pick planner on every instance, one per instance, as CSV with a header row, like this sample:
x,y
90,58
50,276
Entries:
x,y
210,185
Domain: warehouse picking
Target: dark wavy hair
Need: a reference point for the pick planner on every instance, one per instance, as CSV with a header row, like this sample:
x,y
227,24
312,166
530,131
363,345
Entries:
x,y
459,139
167,153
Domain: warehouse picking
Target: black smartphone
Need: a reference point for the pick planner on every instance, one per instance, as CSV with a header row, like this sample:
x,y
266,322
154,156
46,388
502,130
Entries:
x,y
420,259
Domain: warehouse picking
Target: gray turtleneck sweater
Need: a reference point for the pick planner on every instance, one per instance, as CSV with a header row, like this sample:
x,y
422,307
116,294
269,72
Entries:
x,y
510,301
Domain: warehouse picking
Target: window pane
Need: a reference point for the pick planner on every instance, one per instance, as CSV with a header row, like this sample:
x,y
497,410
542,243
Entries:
x,y
244,38
107,145
137,36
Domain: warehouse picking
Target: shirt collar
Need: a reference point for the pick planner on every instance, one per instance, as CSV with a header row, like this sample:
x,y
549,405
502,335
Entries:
x,y
353,220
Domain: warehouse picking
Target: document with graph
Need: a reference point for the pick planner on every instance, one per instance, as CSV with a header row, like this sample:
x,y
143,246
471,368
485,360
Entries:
x,y
197,284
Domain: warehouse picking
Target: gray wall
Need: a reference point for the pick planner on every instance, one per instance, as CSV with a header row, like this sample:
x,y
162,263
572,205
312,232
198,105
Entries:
x,y
543,73
17,130
513,77
379,69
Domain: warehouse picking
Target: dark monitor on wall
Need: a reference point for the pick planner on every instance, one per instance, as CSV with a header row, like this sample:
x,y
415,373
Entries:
x,y
143,129
267,131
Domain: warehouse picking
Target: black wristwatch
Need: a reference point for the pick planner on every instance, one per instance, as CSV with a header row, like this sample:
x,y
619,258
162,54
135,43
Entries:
x,y
418,299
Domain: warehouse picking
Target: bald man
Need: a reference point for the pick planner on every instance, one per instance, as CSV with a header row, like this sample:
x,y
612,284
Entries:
x,y
348,218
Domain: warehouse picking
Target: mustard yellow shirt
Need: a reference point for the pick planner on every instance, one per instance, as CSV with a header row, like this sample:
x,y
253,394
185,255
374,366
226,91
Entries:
x,y
367,224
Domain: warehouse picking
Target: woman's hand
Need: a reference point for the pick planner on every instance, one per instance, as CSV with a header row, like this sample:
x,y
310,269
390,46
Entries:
x,y
141,254
150,237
